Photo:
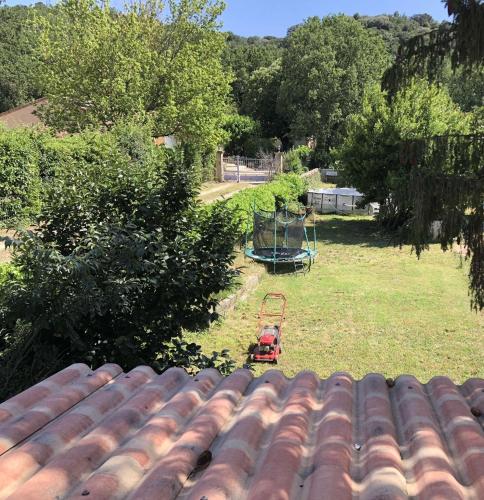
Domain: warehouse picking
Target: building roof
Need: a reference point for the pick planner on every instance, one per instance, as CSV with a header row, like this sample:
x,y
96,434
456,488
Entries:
x,y
105,434
22,116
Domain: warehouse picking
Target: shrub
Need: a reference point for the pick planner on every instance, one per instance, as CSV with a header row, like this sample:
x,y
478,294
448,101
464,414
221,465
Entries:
x,y
297,159
7,271
104,178
19,177
285,188
124,259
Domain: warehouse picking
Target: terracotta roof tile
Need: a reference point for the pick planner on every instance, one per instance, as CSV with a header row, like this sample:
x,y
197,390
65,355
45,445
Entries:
x,y
106,434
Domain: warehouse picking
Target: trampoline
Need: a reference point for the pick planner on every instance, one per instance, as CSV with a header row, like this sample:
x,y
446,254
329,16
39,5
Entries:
x,y
281,237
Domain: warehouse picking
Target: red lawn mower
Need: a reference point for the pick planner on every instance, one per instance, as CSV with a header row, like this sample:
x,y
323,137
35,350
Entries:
x,y
269,328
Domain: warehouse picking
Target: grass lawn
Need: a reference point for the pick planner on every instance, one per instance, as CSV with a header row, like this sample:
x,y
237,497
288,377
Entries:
x,y
366,306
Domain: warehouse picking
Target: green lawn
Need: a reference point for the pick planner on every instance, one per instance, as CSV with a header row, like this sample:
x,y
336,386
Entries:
x,y
366,306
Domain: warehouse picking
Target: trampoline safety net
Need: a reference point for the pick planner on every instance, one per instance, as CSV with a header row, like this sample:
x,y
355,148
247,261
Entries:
x,y
278,235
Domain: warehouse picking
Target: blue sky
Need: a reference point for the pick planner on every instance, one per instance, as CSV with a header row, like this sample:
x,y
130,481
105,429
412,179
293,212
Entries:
x,y
274,17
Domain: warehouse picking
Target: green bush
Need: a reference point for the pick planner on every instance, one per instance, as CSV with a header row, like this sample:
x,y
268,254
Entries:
x,y
202,161
103,179
285,188
31,159
20,185
240,130
7,271
123,260
297,159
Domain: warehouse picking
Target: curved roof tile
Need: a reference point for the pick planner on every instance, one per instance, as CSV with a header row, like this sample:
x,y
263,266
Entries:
x,y
106,434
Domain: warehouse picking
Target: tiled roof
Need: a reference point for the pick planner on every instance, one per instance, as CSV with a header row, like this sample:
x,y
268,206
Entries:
x,y
105,434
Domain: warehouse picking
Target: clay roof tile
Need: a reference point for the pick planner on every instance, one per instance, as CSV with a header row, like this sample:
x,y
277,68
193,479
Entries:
x,y
106,434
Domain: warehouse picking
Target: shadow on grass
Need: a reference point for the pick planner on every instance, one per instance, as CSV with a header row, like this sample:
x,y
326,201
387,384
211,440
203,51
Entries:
x,y
285,268
351,231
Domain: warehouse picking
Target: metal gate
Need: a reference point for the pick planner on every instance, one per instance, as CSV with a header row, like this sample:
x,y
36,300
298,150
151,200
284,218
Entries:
x,y
243,169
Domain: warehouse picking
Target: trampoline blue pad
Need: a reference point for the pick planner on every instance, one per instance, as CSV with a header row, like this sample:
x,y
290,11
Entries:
x,y
279,254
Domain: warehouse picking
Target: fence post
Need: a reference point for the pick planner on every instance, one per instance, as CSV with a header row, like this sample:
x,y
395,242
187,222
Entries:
x,y
279,163
237,160
219,166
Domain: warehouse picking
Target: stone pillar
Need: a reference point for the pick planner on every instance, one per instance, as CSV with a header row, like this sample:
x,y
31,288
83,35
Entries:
x,y
279,163
219,166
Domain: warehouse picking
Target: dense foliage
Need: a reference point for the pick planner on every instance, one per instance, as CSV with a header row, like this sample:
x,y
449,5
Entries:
x,y
260,100
285,189
18,61
447,170
244,56
100,66
243,132
297,159
327,65
20,185
396,29
369,155
123,259
466,87
462,41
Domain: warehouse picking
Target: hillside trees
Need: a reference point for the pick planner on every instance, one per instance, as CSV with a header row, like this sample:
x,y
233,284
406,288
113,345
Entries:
x,y
243,56
327,65
256,63
100,66
397,29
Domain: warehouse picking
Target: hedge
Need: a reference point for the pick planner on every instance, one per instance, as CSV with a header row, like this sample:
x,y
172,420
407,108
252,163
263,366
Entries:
x,y
30,159
20,186
285,188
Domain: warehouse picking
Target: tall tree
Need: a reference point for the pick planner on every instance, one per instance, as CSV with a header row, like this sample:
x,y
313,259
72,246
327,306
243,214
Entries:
x,y
327,65
243,56
260,99
18,61
447,172
424,55
370,154
164,59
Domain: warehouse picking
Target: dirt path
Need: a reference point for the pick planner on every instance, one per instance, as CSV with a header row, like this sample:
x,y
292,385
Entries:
x,y
5,255
212,191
